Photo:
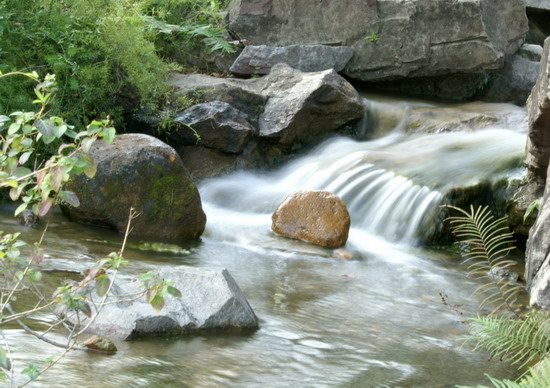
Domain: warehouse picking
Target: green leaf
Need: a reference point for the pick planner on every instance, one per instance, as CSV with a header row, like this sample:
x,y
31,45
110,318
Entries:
x,y
102,283
5,362
157,302
31,371
532,206
56,177
46,127
69,197
24,157
20,208
91,167
87,144
108,134
173,291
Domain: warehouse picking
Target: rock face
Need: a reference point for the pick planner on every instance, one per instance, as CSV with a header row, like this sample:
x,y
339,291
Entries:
x,y
537,271
211,300
538,142
391,39
260,59
215,125
142,172
318,217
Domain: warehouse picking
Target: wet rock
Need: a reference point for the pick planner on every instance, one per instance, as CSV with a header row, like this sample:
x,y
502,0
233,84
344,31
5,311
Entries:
x,y
99,344
28,218
142,172
211,301
302,107
391,39
512,83
260,59
532,52
342,254
318,217
214,125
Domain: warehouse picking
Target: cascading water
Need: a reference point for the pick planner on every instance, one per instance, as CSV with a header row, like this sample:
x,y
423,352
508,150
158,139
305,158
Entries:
x,y
390,184
373,322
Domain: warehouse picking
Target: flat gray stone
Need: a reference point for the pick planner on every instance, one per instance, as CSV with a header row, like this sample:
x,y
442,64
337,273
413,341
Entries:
x,y
260,59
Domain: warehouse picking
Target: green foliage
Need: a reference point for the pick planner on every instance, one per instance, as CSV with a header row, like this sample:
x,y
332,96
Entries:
x,y
537,377
532,206
99,49
40,187
373,37
522,340
489,242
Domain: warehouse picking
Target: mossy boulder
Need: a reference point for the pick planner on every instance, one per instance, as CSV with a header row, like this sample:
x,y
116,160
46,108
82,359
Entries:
x,y
142,172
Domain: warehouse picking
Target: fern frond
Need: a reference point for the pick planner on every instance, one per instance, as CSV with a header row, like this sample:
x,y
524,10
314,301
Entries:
x,y
521,340
489,243
537,377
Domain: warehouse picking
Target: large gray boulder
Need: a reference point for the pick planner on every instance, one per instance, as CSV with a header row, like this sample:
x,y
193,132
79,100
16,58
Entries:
x,y
142,172
391,39
260,59
210,300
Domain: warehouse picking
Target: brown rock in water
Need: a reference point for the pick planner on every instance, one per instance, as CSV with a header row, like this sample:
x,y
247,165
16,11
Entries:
x,y
99,344
318,217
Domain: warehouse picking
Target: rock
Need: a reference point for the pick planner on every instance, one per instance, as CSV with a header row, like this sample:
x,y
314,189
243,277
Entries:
x,y
538,142
538,4
214,125
211,301
99,344
142,172
318,217
537,269
260,59
539,29
391,39
532,52
342,254
28,218
297,108
302,107
512,83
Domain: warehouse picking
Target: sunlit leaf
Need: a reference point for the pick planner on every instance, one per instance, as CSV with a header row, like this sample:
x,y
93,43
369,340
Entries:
x,y
20,208
47,129
108,134
157,302
56,177
91,167
87,144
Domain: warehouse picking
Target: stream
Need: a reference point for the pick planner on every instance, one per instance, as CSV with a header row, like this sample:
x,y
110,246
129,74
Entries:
x,y
375,321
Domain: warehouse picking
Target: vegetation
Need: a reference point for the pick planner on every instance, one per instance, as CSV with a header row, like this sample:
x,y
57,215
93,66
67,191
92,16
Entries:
x,y
508,334
110,56
40,187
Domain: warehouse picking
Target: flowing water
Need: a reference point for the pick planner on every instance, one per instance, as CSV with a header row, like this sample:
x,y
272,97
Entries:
x,y
375,321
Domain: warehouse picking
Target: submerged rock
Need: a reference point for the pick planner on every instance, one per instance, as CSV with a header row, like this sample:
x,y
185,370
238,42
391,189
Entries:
x,y
100,344
142,172
28,218
318,217
211,301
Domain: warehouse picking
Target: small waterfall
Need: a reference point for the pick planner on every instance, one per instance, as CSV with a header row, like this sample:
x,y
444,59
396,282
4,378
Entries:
x,y
390,184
